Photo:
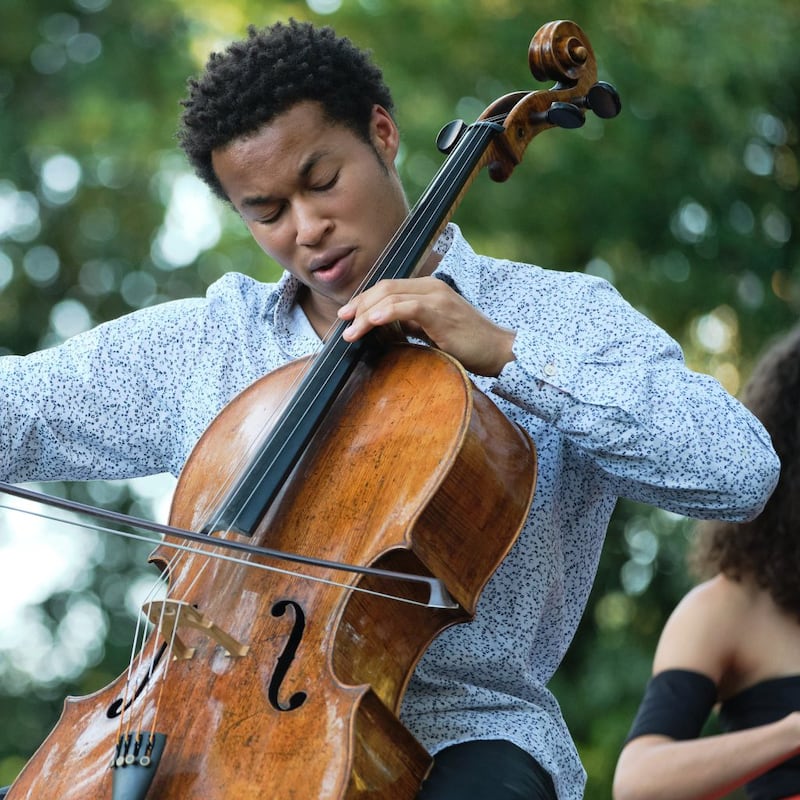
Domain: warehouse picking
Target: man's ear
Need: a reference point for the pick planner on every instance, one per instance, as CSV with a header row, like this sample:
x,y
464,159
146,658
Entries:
x,y
384,134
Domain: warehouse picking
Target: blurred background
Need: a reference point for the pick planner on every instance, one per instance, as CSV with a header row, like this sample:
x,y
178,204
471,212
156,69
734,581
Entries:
x,y
687,202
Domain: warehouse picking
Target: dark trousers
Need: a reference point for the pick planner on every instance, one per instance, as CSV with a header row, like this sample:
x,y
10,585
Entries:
x,y
486,769
480,770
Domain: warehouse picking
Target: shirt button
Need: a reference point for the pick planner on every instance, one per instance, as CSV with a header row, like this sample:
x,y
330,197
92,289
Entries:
x,y
549,370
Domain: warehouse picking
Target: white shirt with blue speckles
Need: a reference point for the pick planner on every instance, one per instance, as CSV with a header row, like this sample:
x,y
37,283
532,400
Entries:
x,y
604,393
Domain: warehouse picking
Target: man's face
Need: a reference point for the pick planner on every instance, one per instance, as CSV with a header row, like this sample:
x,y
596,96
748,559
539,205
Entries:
x,y
317,198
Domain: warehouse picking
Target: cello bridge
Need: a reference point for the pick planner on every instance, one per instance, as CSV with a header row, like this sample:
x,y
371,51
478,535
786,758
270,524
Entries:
x,y
170,615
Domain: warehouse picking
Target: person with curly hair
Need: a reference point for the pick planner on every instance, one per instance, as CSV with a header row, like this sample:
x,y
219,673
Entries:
x,y
294,127
734,641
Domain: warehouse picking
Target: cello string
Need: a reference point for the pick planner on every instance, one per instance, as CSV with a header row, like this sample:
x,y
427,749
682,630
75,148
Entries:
x,y
138,655
128,680
169,659
316,367
459,165
317,364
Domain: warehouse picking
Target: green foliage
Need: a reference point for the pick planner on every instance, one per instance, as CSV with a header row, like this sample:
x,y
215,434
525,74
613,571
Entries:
x,y
687,201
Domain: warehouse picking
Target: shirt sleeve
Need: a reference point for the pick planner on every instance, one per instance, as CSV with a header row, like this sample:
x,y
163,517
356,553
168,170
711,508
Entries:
x,y
617,387
105,404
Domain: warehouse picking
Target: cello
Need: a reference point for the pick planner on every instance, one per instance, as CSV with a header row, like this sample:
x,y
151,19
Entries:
x,y
275,683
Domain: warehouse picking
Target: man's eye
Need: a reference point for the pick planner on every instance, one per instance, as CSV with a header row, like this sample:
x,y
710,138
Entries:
x,y
271,216
323,187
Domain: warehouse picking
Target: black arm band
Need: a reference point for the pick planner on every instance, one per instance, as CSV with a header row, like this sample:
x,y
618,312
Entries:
x,y
676,704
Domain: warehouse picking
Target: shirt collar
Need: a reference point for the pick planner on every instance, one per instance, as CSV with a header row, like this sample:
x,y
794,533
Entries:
x,y
460,265
459,268
293,331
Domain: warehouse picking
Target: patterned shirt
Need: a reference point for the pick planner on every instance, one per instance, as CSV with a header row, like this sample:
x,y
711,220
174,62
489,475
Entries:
x,y
603,392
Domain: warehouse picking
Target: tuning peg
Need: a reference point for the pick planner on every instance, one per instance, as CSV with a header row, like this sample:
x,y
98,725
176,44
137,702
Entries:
x,y
565,115
448,136
604,100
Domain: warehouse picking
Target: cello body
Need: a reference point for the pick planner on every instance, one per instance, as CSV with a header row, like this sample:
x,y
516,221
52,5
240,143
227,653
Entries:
x,y
415,471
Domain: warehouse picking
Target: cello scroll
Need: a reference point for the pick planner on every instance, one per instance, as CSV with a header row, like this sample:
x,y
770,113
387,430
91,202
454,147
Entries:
x,y
559,51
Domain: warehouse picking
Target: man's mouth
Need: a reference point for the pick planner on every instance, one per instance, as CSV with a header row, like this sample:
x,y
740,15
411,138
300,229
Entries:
x,y
331,264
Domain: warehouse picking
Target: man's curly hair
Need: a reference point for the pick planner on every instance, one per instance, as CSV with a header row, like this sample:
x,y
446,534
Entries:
x,y
766,549
259,77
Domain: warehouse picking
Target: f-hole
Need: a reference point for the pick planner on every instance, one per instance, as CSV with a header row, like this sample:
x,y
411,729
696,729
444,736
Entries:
x,y
285,659
116,708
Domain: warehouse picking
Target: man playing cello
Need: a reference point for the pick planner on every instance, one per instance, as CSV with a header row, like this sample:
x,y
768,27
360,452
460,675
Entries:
x,y
294,127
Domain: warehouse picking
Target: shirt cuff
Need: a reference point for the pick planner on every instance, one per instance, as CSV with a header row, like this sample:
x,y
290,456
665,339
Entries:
x,y
533,380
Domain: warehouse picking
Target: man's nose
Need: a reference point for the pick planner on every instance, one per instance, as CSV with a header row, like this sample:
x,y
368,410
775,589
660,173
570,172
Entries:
x,y
311,224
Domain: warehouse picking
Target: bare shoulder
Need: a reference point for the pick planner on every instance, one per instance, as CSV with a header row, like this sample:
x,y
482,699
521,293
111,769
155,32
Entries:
x,y
702,632
769,642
